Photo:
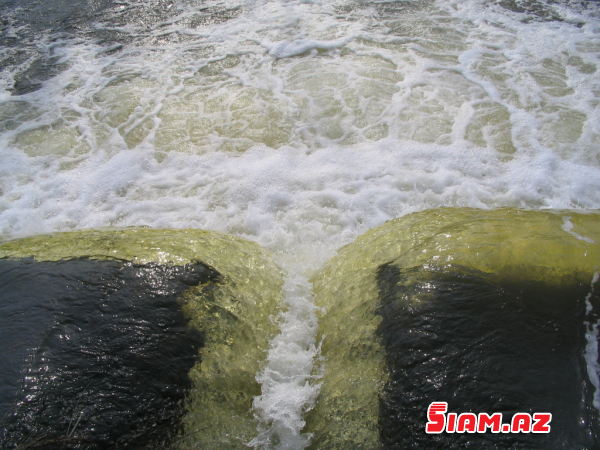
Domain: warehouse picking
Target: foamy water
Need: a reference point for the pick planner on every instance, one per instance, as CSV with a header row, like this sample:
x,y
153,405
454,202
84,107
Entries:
x,y
591,349
298,125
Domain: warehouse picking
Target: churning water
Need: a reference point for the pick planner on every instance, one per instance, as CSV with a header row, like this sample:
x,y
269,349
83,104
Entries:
x,y
298,125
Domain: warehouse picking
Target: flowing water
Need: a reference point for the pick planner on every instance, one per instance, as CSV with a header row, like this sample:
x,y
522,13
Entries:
x,y
298,125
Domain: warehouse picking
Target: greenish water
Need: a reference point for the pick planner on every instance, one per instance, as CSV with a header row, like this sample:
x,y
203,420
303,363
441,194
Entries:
x,y
300,127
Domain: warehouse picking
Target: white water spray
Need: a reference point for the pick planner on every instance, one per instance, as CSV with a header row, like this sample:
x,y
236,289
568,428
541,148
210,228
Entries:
x,y
591,349
300,125
289,386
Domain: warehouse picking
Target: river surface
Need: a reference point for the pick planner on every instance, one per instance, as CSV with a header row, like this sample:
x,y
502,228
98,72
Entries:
x,y
298,125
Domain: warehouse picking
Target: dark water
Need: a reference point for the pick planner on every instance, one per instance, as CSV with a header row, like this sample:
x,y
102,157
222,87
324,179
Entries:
x,y
457,337
32,32
95,354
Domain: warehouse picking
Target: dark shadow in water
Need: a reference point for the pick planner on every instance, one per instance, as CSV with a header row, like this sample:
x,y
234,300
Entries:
x,y
32,30
39,70
95,354
458,337
56,15
548,10
25,24
533,9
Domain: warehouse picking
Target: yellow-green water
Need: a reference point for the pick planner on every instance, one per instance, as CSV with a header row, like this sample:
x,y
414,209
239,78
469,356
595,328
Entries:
x,y
506,244
296,125
237,315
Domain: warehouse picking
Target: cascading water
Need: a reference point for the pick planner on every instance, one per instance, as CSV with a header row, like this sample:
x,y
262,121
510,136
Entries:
x,y
298,125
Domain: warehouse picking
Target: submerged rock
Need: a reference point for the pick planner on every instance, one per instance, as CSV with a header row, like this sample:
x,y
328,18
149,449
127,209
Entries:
x,y
124,339
107,351
489,311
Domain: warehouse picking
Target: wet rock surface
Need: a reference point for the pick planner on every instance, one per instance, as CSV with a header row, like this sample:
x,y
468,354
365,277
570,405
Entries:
x,y
458,336
98,352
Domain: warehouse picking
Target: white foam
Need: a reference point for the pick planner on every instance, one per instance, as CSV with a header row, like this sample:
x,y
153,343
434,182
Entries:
x,y
301,125
568,227
591,356
591,348
287,49
288,388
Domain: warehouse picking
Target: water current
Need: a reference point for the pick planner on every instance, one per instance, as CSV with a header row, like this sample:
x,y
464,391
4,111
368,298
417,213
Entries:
x,y
298,125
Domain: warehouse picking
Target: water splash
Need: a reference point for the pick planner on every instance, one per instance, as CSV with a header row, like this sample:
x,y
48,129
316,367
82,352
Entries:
x,y
568,227
591,349
289,387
